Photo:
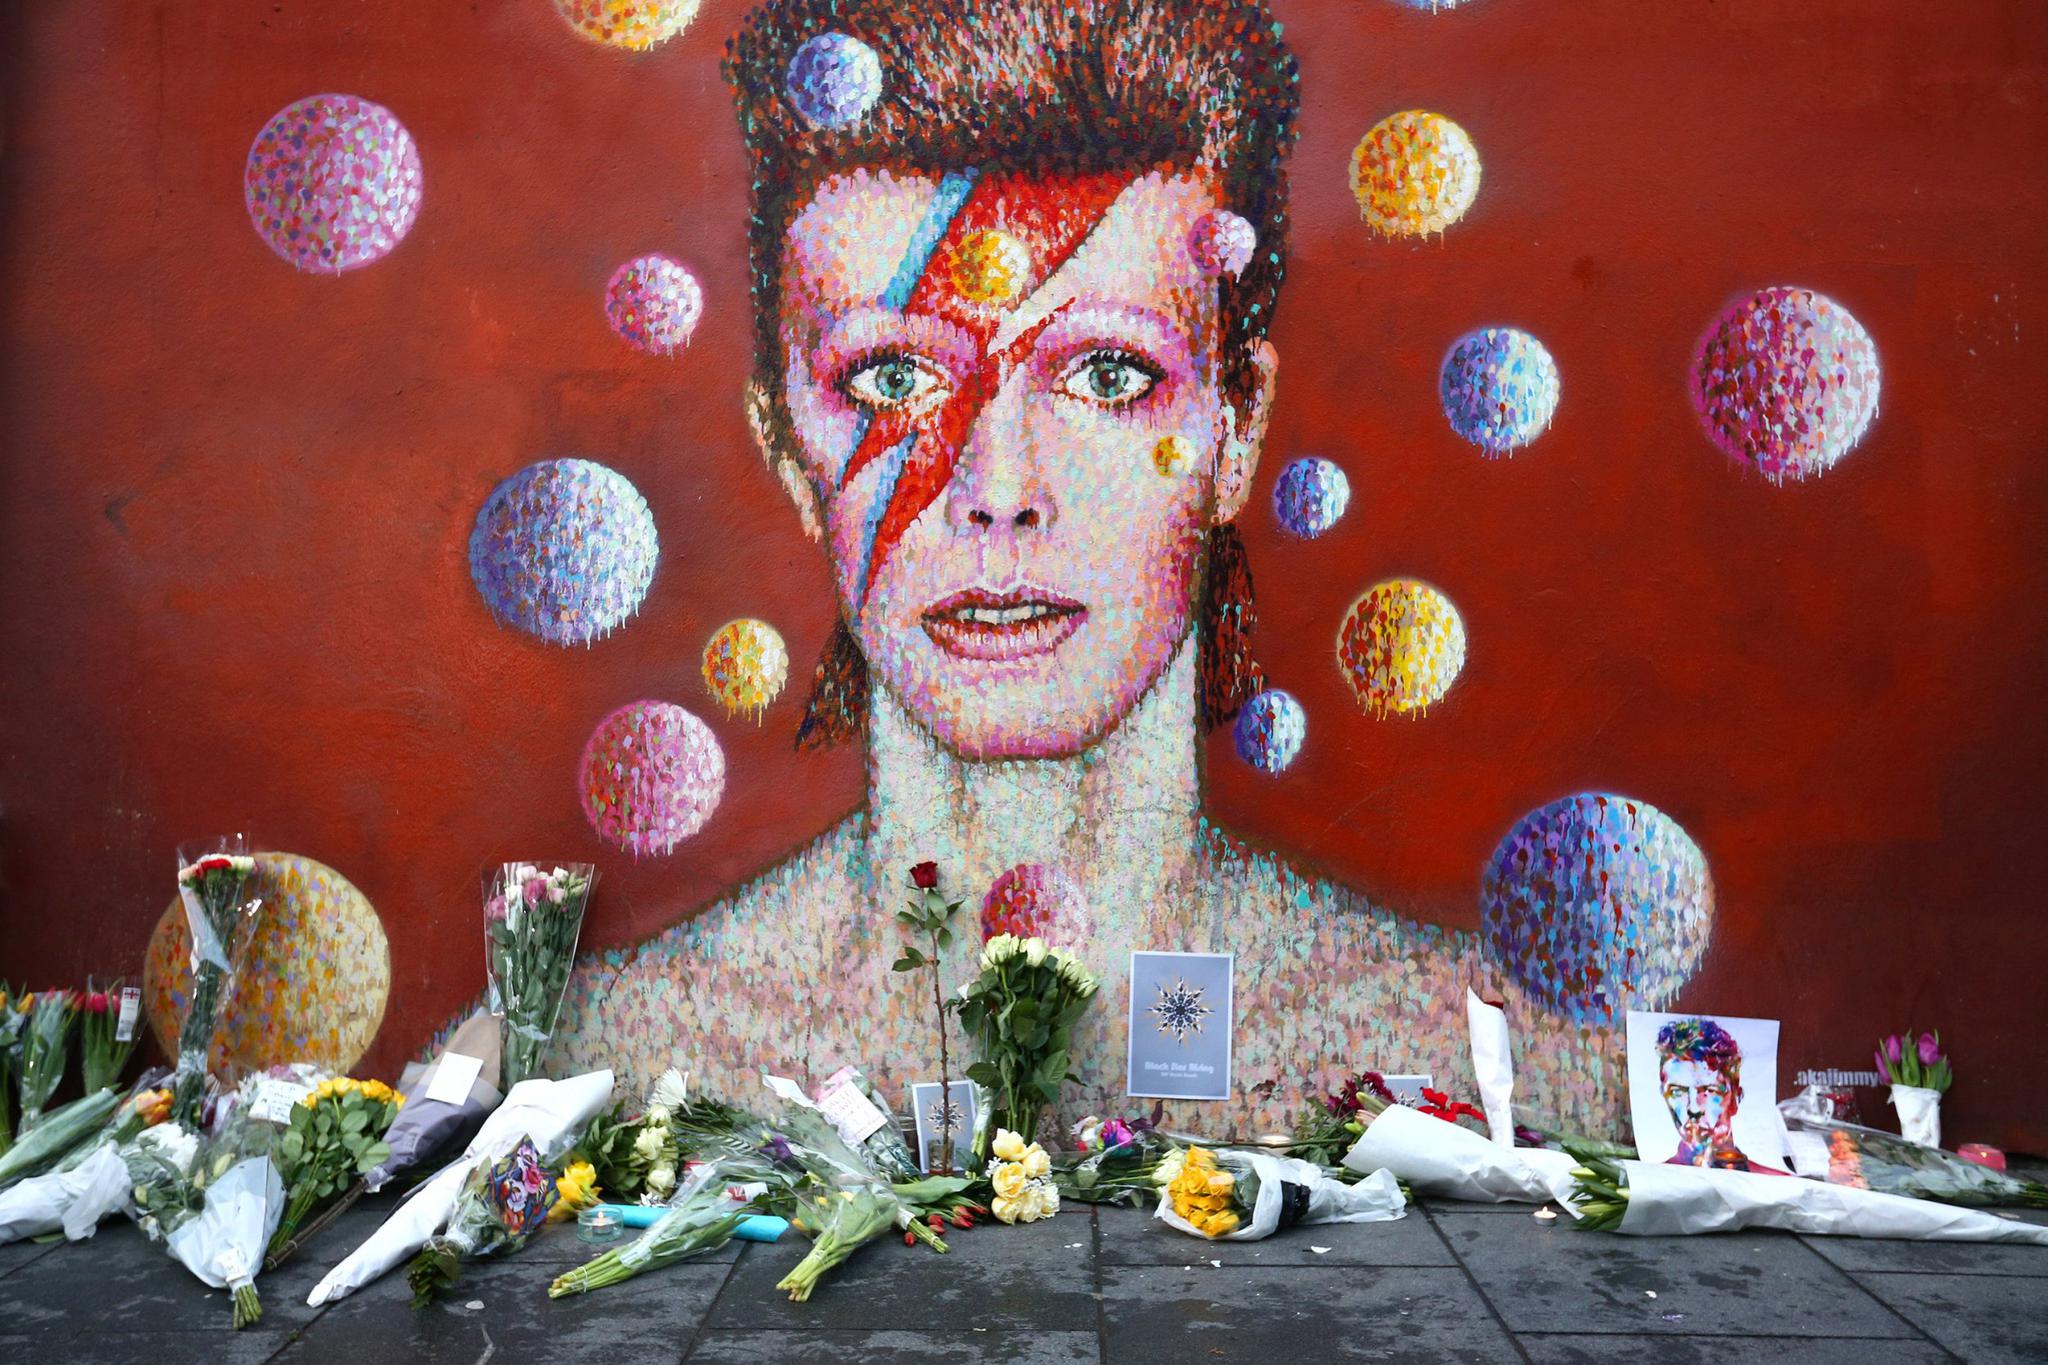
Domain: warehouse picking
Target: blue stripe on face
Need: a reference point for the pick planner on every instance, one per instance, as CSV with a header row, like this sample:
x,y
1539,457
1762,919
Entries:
x,y
945,206
893,462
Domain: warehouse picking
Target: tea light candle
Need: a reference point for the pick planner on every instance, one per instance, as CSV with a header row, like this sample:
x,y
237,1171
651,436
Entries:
x,y
598,1225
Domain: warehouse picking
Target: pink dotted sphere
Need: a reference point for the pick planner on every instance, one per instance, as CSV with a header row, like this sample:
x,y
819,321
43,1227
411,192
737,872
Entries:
x,y
1034,901
654,303
652,774
333,183
1786,380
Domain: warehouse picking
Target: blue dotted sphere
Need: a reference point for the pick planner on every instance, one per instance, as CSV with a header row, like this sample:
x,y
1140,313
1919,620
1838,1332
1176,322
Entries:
x,y
1311,496
1499,388
564,549
835,79
1270,730
1598,905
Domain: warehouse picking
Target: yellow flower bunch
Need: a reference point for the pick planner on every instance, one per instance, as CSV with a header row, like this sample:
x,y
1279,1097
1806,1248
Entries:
x,y
575,1191
374,1091
1203,1194
1020,1176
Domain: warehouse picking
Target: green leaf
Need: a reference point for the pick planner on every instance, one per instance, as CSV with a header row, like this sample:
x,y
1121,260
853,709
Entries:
x,y
354,1121
945,939
909,962
984,1073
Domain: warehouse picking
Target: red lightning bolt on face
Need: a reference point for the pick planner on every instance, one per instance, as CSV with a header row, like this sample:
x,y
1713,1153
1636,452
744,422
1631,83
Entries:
x,y
1050,218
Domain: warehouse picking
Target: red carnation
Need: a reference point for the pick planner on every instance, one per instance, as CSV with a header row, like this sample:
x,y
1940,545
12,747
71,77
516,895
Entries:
x,y
216,863
925,876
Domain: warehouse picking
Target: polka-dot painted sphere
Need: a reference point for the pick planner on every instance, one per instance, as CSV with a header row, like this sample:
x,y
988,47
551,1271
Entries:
x,y
1414,173
1034,901
564,549
1173,455
1270,730
834,80
1787,381
1499,388
654,303
1311,496
314,983
635,25
652,774
1223,243
1598,905
333,182
991,267
1401,647
745,666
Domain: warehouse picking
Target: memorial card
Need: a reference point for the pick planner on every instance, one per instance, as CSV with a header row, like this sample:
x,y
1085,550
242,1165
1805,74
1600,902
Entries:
x,y
1703,1091
1180,1022
924,1104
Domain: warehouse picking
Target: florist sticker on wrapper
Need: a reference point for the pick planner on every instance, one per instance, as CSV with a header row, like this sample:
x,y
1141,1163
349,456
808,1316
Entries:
x,y
1180,1022
1702,1091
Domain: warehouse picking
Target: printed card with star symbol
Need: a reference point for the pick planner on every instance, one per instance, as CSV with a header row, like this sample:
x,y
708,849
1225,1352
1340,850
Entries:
x,y
1180,1025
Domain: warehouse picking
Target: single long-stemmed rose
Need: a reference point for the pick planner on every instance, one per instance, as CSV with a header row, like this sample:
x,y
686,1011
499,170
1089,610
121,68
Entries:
x,y
220,916
931,914
532,920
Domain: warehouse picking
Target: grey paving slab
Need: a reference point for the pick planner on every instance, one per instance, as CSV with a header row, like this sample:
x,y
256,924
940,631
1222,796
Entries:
x,y
15,1255
1134,1237
966,1347
1268,1313
1942,1258
1979,1317
1560,1348
649,1318
1434,1205
1551,1277
1035,1277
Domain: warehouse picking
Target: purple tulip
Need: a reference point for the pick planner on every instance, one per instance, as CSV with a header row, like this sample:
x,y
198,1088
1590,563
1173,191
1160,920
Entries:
x,y
1894,1049
1930,1051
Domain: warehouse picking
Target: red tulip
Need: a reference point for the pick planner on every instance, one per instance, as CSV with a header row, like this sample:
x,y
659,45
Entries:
x,y
97,1002
925,876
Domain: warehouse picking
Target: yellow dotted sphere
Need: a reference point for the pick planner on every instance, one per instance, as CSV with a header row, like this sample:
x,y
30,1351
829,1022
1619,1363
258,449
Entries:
x,y
745,666
1173,455
632,24
1401,647
990,267
1414,173
312,987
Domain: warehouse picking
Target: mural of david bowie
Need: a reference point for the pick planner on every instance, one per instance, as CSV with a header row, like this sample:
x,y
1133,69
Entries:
x,y
1013,374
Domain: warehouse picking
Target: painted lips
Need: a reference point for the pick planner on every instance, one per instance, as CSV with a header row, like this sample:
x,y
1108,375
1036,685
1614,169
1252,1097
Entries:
x,y
1015,624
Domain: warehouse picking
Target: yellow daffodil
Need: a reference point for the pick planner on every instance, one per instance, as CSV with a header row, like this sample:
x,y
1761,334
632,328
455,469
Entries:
x,y
575,1190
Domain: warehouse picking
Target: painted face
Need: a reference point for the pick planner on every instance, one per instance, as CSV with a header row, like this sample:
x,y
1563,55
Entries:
x,y
1701,1099
1005,396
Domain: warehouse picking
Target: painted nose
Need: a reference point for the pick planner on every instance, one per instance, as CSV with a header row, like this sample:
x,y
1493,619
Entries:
x,y
999,484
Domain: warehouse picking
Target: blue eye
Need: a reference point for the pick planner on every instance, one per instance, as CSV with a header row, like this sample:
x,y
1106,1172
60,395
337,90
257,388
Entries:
x,y
893,381
1109,378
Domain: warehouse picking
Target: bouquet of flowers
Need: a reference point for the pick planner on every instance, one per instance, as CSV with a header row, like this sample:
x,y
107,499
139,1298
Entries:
x,y
336,1133
1658,1199
1868,1159
701,1221
1450,1160
1022,1180
1021,1011
103,1052
87,1184
61,1130
640,1156
45,1047
1243,1196
503,1203
213,1204
220,917
531,923
425,1126
1116,1162
14,1008
1919,1076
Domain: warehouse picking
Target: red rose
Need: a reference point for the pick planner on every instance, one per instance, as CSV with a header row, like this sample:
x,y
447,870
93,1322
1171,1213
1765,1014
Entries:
x,y
925,876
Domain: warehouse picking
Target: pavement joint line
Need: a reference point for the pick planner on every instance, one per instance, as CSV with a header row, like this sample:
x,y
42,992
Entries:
x,y
1521,1351
732,1268
1101,1309
1865,1289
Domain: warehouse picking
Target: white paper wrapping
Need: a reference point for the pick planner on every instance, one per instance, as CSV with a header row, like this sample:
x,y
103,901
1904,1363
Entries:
x,y
72,1201
1664,1200
1375,1199
223,1246
552,1113
1493,1065
1919,1114
1444,1159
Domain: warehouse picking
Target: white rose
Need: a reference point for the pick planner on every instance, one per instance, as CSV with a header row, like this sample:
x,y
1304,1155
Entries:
x,y
647,1146
661,1179
1044,1199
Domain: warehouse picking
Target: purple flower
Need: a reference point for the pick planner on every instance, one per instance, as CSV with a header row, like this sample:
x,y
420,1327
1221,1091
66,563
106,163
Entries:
x,y
1882,1069
535,890
1930,1051
1117,1133
1894,1050
776,1149
494,908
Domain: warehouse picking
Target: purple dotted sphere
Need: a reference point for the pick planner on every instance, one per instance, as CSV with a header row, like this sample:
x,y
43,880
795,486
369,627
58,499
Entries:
x,y
1786,381
1598,905
1311,496
564,549
1270,730
654,303
1499,388
333,183
652,775
834,80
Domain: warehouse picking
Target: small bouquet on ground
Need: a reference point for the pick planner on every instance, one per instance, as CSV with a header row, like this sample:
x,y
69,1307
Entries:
x,y
103,1051
1021,1177
45,1047
1226,1194
1431,1152
1869,1159
532,920
638,1157
1659,1199
14,1007
335,1134
1021,1010
426,1126
1115,1160
702,1220
220,916
503,1203
1919,1075
61,1130
215,1207
87,1184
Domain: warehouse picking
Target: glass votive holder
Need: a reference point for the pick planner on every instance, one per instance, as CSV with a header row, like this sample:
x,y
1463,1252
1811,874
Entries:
x,y
598,1226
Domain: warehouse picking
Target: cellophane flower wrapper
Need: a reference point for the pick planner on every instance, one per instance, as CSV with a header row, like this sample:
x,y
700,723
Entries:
x,y
702,1219
532,920
13,1025
45,1049
551,1113
1919,1109
503,1202
427,1127
72,1201
1869,1158
102,1053
1279,1191
1666,1200
220,916
59,1134
1444,1159
224,1244
1493,1066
